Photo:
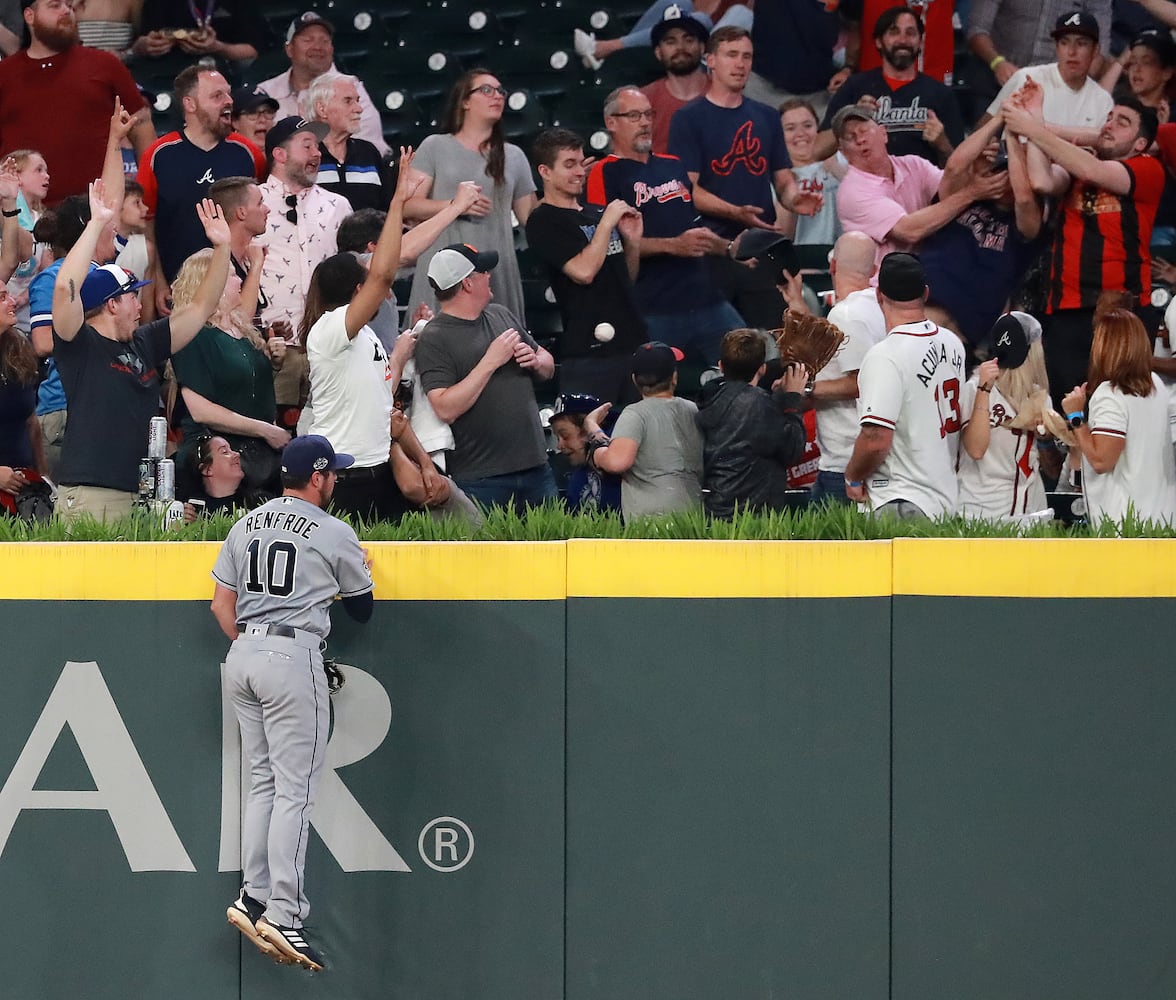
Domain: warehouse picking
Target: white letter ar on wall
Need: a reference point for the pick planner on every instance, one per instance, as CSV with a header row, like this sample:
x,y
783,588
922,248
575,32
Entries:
x,y
124,790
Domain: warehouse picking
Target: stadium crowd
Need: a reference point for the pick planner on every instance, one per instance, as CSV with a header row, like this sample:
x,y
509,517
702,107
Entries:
x,y
997,267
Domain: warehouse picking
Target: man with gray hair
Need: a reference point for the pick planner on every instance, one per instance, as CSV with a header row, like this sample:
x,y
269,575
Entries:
x,y
351,166
676,294
835,389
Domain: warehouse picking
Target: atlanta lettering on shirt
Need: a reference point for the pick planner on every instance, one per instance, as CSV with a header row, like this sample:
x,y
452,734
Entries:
x,y
661,193
745,149
937,355
912,118
989,233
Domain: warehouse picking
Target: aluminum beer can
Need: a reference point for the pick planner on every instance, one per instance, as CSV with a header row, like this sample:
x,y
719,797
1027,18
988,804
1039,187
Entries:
x,y
165,481
157,438
146,480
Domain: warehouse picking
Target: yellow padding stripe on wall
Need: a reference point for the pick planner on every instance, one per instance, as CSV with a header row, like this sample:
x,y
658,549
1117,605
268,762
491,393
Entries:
x,y
525,571
1012,567
728,569
171,571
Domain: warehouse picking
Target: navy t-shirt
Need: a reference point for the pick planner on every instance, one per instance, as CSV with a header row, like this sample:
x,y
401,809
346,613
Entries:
x,y
903,111
112,388
794,43
735,151
17,403
661,191
975,263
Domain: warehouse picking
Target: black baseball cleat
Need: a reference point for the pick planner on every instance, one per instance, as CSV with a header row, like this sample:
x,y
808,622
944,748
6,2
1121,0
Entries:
x,y
291,943
243,913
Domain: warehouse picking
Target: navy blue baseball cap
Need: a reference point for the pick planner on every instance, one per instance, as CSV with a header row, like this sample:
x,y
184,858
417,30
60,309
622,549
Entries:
x,y
106,283
304,456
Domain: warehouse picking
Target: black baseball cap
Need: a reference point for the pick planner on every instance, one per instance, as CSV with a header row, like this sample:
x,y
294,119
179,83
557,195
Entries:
x,y
1160,42
901,277
246,99
311,453
1010,342
1076,22
655,361
674,18
307,20
289,127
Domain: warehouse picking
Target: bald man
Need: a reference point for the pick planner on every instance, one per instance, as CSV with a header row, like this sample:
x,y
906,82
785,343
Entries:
x,y
835,392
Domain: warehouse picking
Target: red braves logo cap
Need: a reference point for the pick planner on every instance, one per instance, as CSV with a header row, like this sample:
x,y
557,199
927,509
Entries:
x,y
457,262
311,453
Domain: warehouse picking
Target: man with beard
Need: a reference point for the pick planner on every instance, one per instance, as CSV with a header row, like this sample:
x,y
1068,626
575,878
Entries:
x,y
179,168
920,114
85,81
678,43
300,233
1102,242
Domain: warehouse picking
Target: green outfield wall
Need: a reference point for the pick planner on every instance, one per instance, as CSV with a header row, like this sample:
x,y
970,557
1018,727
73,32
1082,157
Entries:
x,y
606,770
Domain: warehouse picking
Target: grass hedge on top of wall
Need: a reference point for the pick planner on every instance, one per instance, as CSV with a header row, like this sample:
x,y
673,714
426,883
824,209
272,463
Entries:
x,y
552,523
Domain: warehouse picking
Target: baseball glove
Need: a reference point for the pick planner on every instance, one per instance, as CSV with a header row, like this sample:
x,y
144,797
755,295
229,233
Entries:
x,y
335,678
810,340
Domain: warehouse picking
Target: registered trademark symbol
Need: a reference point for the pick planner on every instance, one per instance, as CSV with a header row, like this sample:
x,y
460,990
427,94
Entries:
x,y
446,844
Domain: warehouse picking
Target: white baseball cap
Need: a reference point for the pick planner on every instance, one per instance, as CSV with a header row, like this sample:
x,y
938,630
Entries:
x,y
457,262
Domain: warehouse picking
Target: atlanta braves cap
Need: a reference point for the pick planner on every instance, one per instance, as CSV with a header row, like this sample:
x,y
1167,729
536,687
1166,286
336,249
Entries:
x,y
656,361
289,127
1011,337
1076,22
901,277
246,99
312,453
457,262
307,20
107,282
674,18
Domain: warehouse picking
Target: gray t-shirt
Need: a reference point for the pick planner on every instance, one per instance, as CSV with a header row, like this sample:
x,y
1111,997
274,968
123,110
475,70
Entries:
x,y
449,163
501,432
287,560
667,473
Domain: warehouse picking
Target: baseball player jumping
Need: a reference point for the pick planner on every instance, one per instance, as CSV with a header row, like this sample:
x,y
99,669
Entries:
x,y
276,576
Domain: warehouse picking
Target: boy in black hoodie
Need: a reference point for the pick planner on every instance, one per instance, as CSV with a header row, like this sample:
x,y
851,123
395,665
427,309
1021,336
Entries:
x,y
749,436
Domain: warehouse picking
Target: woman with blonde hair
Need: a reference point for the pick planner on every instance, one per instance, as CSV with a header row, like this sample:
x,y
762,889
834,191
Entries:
x,y
226,375
471,147
1119,422
1006,400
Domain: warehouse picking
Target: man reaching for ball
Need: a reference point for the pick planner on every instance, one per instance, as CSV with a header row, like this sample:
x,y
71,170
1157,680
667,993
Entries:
x,y
591,255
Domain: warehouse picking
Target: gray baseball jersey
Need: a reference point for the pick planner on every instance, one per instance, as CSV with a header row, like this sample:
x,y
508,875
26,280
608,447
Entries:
x,y
287,560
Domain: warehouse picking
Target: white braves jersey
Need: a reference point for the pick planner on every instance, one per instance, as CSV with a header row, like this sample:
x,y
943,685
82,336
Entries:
x,y
912,382
1006,481
351,387
1144,478
859,317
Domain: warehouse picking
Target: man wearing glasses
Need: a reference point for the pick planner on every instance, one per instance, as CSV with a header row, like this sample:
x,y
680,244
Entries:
x,y
300,233
676,294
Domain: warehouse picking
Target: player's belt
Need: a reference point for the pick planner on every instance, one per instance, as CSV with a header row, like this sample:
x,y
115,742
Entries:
x,y
364,472
258,630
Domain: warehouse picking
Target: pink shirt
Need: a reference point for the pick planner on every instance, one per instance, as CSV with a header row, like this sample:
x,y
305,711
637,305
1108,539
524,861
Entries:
x,y
874,205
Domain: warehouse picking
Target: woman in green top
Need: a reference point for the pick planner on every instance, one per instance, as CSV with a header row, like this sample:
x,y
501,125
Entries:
x,y
226,376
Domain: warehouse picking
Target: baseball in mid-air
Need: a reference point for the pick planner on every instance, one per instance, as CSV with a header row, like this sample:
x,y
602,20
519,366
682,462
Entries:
x,y
604,332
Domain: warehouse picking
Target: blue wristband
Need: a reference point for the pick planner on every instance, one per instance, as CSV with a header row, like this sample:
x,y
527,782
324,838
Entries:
x,y
857,484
